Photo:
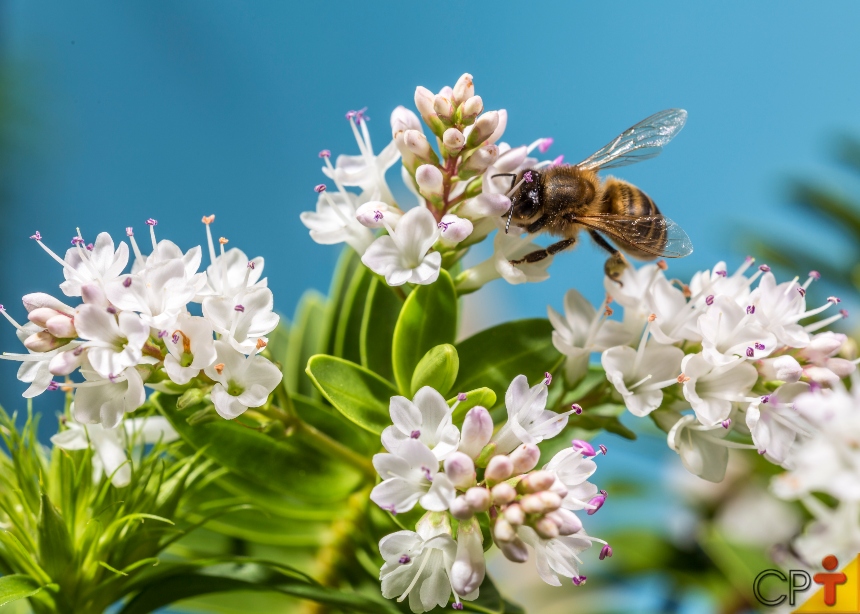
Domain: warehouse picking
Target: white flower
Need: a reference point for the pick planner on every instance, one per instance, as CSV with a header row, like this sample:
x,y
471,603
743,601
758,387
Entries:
x,y
833,532
411,474
334,221
245,319
778,307
454,229
823,366
159,293
469,567
717,281
675,316
572,471
640,375
774,423
528,419
506,247
556,556
102,264
191,348
418,565
426,418
376,214
241,382
403,255
232,273
35,367
728,330
583,330
712,391
702,451
105,401
634,291
114,342
109,444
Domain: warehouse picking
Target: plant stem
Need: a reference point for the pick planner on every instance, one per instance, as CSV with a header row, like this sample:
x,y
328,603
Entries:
x,y
323,442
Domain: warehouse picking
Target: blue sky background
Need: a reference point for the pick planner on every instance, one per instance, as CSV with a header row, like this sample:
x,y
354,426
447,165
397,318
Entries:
x,y
175,110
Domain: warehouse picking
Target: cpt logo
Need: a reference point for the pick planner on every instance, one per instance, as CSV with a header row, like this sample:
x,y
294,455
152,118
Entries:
x,y
837,591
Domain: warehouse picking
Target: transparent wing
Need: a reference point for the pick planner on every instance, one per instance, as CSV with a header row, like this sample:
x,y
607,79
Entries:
x,y
644,140
656,235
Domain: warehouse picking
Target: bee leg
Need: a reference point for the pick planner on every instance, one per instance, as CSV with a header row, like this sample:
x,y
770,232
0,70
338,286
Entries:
x,y
616,263
540,254
513,177
537,225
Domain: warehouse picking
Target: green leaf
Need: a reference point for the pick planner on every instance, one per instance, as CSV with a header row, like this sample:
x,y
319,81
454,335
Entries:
x,y
307,337
348,326
428,319
279,343
381,310
494,357
483,397
360,395
437,369
346,268
288,465
182,581
17,586
55,544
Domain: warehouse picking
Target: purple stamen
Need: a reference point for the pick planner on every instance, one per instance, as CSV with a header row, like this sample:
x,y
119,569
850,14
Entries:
x,y
528,176
578,580
606,551
112,378
759,346
721,273
597,502
162,334
415,434
37,236
603,449
726,423
583,447
129,231
547,378
750,309
89,247
239,308
175,338
545,144
53,386
325,153
456,606
815,275
391,509
802,291
762,452
319,188
2,308
111,309
461,396
577,409
709,300
444,225
834,299
405,559
427,474
77,240
765,399
749,259
764,268
377,215
251,265
558,161
126,282
78,350
843,313
358,116
151,222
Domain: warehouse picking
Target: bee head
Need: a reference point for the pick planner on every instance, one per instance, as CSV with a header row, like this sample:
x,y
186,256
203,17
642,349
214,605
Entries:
x,y
525,201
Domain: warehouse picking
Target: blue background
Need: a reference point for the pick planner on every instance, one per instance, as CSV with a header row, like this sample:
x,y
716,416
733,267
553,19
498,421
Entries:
x,y
124,111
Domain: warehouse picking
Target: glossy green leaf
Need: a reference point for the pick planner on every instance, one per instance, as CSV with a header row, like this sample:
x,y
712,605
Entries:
x,y
494,357
437,368
360,395
347,266
348,326
334,424
289,465
55,544
483,397
17,586
428,319
381,310
306,339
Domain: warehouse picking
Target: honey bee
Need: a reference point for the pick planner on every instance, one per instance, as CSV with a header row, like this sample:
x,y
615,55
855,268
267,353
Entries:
x,y
562,200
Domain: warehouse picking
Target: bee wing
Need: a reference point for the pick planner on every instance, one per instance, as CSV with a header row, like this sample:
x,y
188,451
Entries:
x,y
653,234
641,142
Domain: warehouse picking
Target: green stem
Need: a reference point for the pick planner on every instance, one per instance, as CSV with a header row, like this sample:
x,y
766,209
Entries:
x,y
323,442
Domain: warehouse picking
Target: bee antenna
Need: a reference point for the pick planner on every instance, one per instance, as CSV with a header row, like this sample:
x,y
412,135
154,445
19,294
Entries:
x,y
510,215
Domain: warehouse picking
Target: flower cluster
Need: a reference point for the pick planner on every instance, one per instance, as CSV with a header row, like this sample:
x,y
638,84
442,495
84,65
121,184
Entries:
x,y
476,475
134,328
735,354
461,196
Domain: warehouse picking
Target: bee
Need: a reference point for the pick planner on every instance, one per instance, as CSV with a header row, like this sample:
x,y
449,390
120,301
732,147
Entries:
x,y
563,200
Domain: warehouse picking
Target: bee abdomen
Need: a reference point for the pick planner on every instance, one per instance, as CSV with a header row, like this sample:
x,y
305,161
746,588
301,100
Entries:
x,y
622,198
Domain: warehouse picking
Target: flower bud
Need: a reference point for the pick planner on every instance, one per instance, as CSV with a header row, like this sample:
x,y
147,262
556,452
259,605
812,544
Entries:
x,y
787,369
515,550
66,362
525,458
418,145
463,90
403,119
500,129
546,528
43,341
375,214
424,104
511,160
443,108
460,509
41,315
479,161
515,515
503,494
430,181
499,469
61,326
841,367
536,482
469,566
460,469
549,500
568,522
478,499
453,140
476,432
503,531
36,300
454,229
484,126
823,345
93,294
471,109
486,205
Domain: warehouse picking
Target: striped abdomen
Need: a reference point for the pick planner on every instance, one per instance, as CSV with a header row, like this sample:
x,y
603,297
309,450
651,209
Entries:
x,y
622,198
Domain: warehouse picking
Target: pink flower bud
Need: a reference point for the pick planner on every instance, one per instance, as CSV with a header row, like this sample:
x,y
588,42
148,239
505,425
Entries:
x,y
515,550
443,107
537,481
525,458
403,119
473,107
568,522
41,315
825,344
36,300
463,89
479,161
511,160
549,500
486,205
455,229
787,369
515,515
483,128
476,432
500,129
531,504
503,531
42,342
61,326
478,498
424,103
375,214
546,528
499,469
429,180
65,362
418,145
460,509
453,140
460,469
503,494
